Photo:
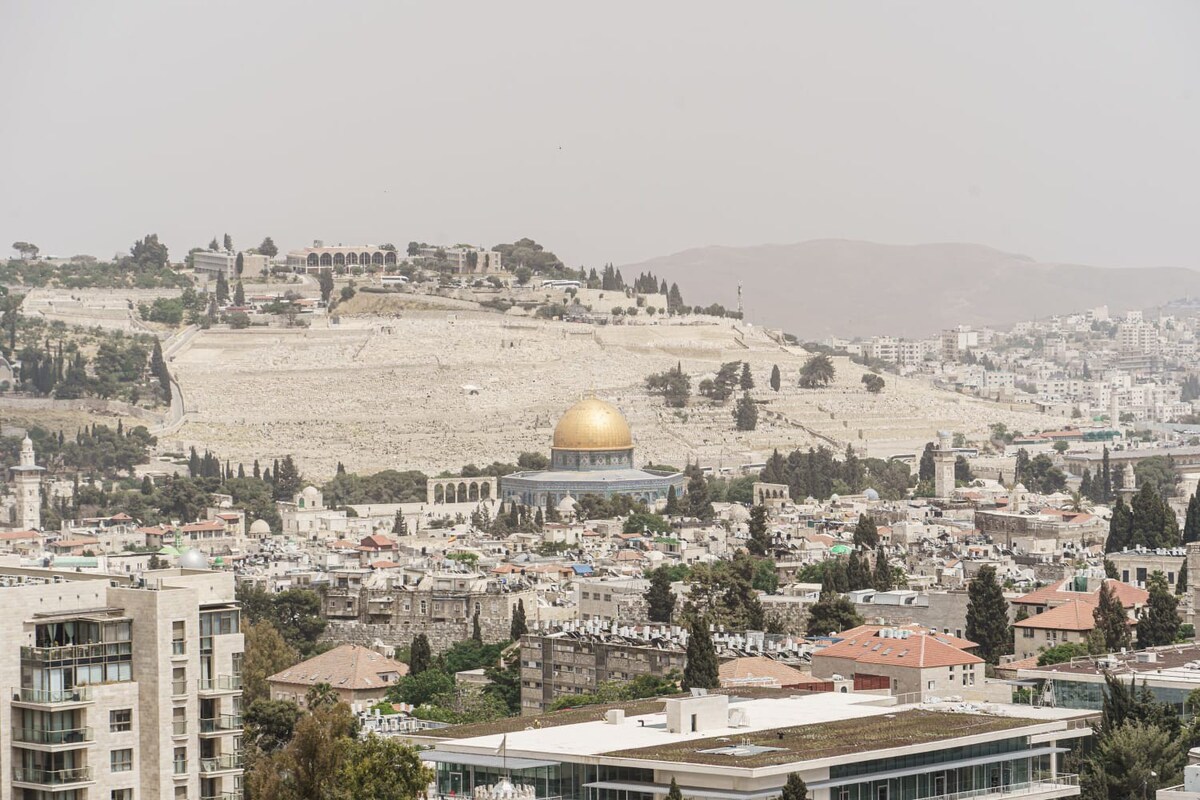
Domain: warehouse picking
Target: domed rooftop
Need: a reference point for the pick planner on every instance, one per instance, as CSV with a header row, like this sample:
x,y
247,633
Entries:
x,y
592,424
260,527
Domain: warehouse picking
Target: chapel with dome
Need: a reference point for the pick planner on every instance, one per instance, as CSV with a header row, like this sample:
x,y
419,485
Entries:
x,y
591,453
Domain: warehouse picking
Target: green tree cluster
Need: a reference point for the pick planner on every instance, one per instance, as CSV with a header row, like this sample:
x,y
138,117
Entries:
x,y
1148,521
817,372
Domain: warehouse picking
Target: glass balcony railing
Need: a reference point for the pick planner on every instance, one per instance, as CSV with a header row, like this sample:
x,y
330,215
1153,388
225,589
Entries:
x,y
80,694
56,777
221,683
181,766
221,724
221,763
222,796
39,736
78,652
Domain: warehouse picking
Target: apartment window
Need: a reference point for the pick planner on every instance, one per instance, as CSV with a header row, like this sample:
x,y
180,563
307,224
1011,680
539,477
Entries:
x,y
180,793
423,607
121,760
1027,633
120,720
180,760
122,794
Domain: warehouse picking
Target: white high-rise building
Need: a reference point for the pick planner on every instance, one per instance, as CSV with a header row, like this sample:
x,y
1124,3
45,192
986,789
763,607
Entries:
x,y
120,688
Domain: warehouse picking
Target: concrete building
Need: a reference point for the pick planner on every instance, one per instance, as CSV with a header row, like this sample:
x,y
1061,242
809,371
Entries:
x,y
120,687
1170,673
464,260
1135,566
207,262
576,662
621,600
850,746
441,605
340,258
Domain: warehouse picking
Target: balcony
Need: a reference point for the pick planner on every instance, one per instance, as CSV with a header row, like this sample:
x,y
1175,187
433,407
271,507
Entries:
x,y
222,684
57,777
180,767
44,739
225,723
98,651
223,763
53,697
1063,785
222,796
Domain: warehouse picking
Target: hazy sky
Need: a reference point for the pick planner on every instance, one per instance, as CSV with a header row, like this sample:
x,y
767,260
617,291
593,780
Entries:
x,y
610,131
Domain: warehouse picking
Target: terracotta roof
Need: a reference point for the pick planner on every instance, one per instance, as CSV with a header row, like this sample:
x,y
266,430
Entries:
x,y
768,671
207,525
348,667
919,651
1057,594
11,536
1076,615
376,541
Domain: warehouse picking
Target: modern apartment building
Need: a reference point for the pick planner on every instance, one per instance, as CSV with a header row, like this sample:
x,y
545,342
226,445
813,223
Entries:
x,y
119,688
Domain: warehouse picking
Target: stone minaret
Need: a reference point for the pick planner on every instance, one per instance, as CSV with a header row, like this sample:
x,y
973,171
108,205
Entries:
x,y
943,466
27,480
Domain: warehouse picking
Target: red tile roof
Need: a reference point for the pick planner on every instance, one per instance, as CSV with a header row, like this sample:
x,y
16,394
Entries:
x,y
919,651
1076,615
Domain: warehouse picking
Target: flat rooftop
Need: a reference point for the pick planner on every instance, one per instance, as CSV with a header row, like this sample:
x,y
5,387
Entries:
x,y
897,728
1169,663
776,730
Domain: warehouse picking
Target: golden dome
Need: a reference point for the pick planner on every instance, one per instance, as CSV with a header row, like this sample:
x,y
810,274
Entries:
x,y
592,424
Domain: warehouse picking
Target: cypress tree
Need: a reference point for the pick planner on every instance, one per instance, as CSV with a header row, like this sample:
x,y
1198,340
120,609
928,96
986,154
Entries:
x,y
673,793
747,380
775,378
1191,524
701,670
882,577
660,600
1181,582
858,573
987,616
1120,528
759,543
866,533
1106,487
1159,620
672,507
476,631
420,657
795,788
518,628
1112,623
1086,488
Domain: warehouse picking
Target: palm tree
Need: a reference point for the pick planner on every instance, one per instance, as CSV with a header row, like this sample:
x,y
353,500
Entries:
x,y
321,695
817,372
1079,503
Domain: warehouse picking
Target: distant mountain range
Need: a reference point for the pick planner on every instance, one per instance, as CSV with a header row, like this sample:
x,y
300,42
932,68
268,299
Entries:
x,y
848,288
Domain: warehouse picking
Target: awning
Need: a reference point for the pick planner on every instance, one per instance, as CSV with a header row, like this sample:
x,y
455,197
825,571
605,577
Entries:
x,y
689,791
484,760
939,766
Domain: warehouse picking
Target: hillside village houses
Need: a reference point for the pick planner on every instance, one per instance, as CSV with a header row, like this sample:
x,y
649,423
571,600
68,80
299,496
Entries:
x,y
443,568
